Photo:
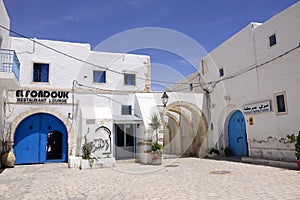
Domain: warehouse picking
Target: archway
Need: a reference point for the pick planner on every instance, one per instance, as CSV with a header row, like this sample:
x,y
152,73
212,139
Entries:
x,y
40,138
195,128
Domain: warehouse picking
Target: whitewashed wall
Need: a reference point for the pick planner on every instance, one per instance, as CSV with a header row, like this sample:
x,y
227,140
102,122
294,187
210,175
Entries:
x,y
241,85
4,21
90,101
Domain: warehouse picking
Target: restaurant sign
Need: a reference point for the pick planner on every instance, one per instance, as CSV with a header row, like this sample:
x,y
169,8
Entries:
x,y
42,96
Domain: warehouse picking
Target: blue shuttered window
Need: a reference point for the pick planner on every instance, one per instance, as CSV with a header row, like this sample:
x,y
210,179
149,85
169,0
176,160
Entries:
x,y
99,76
129,79
40,72
126,110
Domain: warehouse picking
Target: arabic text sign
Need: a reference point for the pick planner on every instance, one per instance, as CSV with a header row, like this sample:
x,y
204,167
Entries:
x,y
257,107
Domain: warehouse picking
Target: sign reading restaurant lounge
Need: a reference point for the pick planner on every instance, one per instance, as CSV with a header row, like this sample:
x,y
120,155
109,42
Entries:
x,y
42,96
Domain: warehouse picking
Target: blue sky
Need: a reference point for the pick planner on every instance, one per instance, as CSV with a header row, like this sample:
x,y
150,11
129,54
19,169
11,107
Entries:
x,y
208,22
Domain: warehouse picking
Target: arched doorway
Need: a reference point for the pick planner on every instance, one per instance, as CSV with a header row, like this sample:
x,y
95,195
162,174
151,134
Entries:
x,y
40,138
237,136
191,125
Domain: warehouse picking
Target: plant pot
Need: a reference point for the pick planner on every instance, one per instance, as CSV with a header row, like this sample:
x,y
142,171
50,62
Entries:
x,y
298,163
156,157
8,159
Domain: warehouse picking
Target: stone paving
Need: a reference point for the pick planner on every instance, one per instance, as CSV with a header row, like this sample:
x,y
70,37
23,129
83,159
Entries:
x,y
183,178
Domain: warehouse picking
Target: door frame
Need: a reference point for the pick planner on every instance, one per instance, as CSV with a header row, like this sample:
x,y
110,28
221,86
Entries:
x,y
116,139
226,128
42,136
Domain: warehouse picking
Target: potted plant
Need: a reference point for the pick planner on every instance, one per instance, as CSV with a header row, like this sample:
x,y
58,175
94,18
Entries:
x,y
7,155
156,148
296,139
86,155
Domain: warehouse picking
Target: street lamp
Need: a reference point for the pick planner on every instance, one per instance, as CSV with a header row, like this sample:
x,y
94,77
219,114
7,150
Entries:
x,y
164,99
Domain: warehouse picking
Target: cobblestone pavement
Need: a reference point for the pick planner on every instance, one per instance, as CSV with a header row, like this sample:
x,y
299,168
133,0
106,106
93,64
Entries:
x,y
184,178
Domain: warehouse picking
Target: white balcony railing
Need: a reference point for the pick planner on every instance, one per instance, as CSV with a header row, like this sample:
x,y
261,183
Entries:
x,y
9,62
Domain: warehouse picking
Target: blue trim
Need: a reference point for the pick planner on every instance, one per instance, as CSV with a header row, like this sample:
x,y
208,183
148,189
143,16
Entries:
x,y
115,139
134,141
99,76
129,79
124,108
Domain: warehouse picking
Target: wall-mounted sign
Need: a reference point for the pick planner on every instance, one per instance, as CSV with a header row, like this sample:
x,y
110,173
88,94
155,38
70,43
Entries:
x,y
257,107
251,121
42,96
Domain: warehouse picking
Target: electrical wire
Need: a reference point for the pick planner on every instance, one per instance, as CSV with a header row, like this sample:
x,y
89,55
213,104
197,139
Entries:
x,y
84,61
251,67
213,83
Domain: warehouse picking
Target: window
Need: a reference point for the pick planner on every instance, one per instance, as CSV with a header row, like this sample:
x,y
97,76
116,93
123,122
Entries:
x,y
99,76
191,87
221,72
272,40
40,72
280,103
125,134
120,135
202,66
129,79
126,110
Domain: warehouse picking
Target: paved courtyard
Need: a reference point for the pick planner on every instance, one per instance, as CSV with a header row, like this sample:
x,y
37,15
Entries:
x,y
183,178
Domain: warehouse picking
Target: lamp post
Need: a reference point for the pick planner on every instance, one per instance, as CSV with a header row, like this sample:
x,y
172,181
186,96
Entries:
x,y
164,99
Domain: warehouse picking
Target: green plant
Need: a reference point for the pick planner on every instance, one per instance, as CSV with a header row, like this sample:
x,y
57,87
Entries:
x,y
227,151
297,146
155,124
156,147
295,139
86,152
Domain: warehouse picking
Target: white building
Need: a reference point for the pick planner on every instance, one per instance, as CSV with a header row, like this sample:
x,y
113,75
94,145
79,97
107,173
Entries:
x,y
66,96
67,99
71,102
252,80
9,69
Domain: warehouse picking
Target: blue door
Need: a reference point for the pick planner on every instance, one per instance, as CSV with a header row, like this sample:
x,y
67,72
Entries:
x,y
237,134
40,138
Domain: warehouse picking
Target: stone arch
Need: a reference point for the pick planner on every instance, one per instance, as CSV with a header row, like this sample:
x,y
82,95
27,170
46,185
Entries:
x,y
17,120
202,125
191,149
177,122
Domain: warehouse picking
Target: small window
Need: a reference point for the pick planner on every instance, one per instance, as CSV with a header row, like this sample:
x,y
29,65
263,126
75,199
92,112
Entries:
x,y
221,72
272,40
280,103
99,76
40,72
126,110
202,66
191,87
129,79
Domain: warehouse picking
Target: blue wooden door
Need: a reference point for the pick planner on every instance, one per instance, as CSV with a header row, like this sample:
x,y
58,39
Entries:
x,y
30,140
237,134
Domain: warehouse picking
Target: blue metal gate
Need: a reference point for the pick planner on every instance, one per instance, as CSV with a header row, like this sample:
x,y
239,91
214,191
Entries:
x,y
34,143
237,134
